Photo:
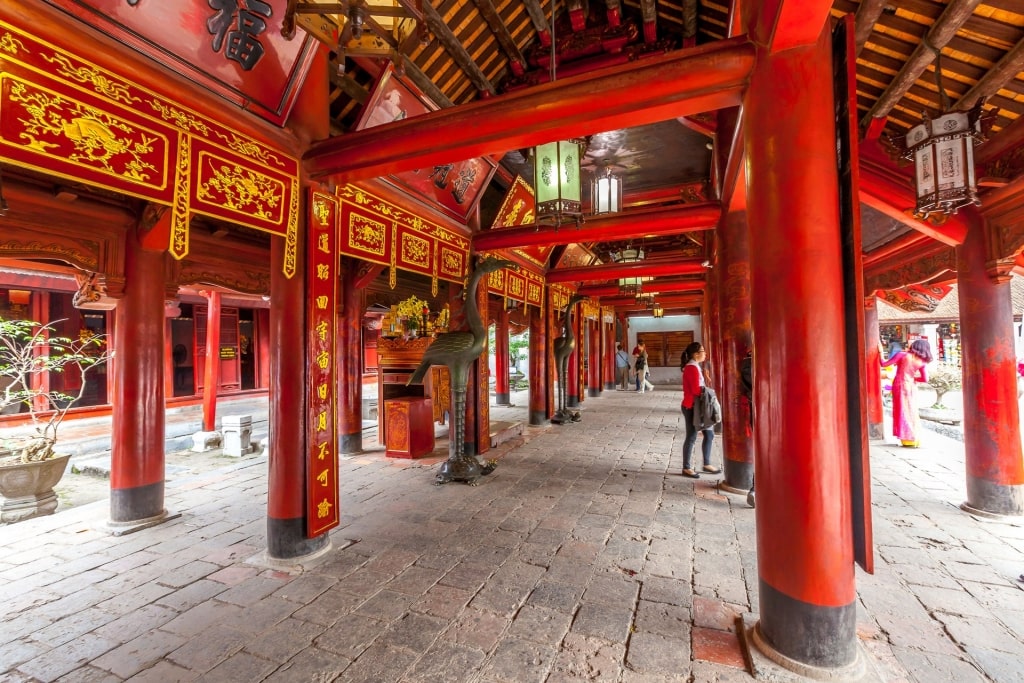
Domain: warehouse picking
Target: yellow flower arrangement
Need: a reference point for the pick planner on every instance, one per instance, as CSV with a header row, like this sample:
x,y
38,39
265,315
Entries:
x,y
411,310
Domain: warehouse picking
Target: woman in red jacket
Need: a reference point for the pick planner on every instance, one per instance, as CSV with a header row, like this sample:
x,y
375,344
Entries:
x,y
693,386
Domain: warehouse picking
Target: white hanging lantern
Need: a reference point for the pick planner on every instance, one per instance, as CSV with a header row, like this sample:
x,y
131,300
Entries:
x,y
606,194
943,154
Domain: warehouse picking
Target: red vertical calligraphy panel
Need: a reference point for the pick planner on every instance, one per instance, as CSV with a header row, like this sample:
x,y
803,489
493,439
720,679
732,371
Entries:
x,y
322,305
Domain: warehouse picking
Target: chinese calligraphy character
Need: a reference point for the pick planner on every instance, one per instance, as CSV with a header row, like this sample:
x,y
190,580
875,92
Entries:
x,y
321,302
321,421
323,243
245,19
321,330
323,508
322,450
322,477
321,391
323,359
440,174
323,271
462,184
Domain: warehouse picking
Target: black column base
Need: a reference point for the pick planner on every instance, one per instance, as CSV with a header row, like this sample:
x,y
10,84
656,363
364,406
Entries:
x,y
610,386
350,443
593,393
503,399
538,418
286,539
991,499
812,635
572,402
137,503
739,476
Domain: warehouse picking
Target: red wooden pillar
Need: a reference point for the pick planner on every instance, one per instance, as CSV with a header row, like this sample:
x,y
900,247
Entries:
x,y
734,304
286,478
211,367
995,471
575,364
502,394
873,371
137,446
608,335
350,362
805,546
593,358
538,362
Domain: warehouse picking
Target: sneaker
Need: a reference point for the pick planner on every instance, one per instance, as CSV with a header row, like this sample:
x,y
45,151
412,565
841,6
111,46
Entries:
x,y
711,469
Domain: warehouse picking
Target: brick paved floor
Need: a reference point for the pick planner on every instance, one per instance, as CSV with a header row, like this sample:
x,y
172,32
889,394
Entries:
x,y
585,556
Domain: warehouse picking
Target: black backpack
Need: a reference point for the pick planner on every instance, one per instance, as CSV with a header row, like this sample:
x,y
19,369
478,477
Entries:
x,y
640,362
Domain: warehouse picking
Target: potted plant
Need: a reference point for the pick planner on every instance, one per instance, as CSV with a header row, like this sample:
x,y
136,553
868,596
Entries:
x,y
943,378
410,311
30,354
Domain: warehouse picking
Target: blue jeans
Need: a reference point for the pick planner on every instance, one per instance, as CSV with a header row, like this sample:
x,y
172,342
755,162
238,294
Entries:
x,y
691,439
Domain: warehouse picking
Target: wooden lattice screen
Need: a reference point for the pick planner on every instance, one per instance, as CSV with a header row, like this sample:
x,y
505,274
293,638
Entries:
x,y
665,349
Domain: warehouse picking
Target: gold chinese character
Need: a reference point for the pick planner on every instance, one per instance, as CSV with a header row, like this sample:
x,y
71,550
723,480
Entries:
x,y
321,302
321,421
322,450
321,330
321,391
323,508
323,271
323,359
324,243
322,477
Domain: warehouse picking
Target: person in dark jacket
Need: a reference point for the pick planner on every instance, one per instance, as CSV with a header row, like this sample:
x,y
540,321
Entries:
x,y
747,392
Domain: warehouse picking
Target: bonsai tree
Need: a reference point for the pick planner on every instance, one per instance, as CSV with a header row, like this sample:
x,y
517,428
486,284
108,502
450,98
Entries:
x,y
29,351
944,378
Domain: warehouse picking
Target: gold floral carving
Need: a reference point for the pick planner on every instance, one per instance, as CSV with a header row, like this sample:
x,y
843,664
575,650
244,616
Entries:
x,y
93,134
10,44
183,120
180,218
451,262
87,257
100,82
533,294
366,235
515,286
250,149
291,236
415,250
252,282
241,189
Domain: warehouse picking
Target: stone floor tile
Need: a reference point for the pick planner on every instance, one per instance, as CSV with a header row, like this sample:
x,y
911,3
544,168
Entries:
x,y
982,633
202,616
720,647
232,576
385,605
588,659
926,667
998,666
329,607
88,674
17,651
241,666
519,661
139,653
659,617
560,597
71,627
188,573
284,640
658,655
478,628
716,614
209,648
313,665
350,636
540,624
59,661
611,622
415,632
251,591
164,672
445,662
442,601
190,595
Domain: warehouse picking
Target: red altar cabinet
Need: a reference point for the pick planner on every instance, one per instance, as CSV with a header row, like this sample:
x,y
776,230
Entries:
x,y
396,361
410,427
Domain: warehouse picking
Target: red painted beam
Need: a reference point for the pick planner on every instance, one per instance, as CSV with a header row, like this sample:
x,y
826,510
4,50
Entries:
x,y
911,240
667,86
605,228
629,303
889,197
785,24
616,270
657,286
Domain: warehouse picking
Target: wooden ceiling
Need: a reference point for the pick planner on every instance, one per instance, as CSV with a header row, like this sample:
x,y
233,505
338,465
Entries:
x,y
480,48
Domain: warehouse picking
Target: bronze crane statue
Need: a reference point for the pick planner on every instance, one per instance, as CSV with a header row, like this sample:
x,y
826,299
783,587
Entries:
x,y
458,350
563,347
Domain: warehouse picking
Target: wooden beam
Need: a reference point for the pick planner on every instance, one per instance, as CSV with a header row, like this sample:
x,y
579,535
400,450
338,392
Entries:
x,y
454,47
613,271
658,88
864,21
894,198
649,15
1005,70
517,63
349,86
605,228
423,82
540,21
955,15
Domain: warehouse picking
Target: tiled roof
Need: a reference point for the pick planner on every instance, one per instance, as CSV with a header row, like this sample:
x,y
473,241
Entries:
x,y
949,308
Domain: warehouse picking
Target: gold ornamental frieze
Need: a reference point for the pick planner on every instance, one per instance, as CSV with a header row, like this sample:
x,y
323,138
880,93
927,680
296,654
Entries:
x,y
413,242
66,117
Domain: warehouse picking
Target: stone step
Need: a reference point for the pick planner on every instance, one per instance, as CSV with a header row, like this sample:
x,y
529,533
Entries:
x,y
503,431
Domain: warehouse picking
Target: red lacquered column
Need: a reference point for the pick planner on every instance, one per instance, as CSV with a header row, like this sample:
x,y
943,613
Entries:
x,y
350,362
211,364
995,472
501,362
286,478
804,531
608,335
734,321
137,447
873,371
538,352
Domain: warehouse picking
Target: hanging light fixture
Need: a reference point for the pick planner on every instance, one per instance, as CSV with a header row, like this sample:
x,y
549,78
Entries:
x,y
632,284
943,153
658,311
606,194
556,170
